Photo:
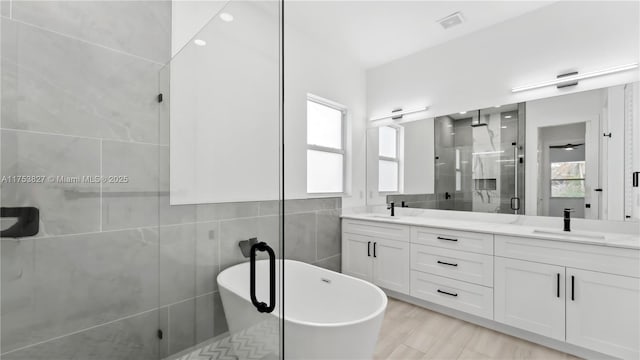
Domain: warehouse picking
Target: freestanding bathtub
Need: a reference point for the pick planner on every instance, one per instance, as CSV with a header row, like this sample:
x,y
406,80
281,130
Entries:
x,y
327,315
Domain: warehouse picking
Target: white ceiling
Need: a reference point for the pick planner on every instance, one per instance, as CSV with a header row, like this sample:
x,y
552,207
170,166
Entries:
x,y
376,32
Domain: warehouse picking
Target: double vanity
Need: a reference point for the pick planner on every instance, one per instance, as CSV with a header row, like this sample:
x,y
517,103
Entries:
x,y
575,291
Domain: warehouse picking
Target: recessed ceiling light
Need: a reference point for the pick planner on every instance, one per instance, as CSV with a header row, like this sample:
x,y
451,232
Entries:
x,y
462,112
508,117
503,127
451,20
199,42
497,106
226,17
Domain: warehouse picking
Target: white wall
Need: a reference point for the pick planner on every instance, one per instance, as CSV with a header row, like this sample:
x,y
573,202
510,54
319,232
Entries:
x,y
313,68
224,128
418,157
584,107
478,71
310,67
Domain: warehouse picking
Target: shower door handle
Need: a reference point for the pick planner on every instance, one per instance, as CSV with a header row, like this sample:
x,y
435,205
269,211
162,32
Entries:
x,y
261,306
515,203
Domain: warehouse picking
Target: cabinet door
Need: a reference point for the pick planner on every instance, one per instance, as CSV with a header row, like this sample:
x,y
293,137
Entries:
x,y
530,296
603,312
357,256
391,265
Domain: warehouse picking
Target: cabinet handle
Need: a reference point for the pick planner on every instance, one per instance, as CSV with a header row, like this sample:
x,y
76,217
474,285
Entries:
x,y
573,281
446,263
374,249
446,238
447,293
558,285
369,248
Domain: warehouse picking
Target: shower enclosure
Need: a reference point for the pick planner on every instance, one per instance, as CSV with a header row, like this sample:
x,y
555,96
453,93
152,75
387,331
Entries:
x,y
130,173
480,160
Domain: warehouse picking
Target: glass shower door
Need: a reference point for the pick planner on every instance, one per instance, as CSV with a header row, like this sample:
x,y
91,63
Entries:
x,y
221,120
479,160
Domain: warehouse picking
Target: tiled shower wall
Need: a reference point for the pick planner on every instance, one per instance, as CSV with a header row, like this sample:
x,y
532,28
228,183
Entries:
x,y
113,263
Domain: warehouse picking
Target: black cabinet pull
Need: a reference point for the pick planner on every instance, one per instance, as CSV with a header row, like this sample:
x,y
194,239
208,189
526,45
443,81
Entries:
x,y
374,249
446,263
446,238
369,248
636,174
558,285
261,306
447,293
573,287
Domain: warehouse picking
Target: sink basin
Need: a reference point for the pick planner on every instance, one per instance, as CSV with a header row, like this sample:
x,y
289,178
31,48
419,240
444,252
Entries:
x,y
569,234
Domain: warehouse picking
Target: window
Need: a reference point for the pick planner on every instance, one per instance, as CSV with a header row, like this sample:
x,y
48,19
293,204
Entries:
x,y
388,159
567,179
325,146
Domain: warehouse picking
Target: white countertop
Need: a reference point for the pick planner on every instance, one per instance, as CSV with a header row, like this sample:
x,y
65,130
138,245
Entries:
x,y
545,233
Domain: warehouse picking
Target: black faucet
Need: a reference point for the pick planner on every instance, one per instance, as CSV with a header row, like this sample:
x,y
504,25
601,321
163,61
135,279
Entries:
x,y
392,207
403,204
567,219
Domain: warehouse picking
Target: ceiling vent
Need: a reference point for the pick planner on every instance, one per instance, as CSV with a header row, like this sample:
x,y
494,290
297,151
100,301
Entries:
x,y
451,20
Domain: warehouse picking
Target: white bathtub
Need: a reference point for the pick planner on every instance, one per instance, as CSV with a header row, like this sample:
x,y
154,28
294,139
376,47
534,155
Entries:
x,y
327,315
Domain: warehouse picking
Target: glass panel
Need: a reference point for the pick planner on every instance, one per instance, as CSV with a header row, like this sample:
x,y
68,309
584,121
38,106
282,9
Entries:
x,y
567,188
568,170
324,172
387,145
477,167
222,107
324,125
387,176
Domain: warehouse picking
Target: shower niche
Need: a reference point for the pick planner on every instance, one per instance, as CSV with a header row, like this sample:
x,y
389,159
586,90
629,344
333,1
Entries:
x,y
479,162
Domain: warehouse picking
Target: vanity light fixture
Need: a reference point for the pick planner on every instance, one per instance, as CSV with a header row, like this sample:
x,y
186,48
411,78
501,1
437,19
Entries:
x,y
573,78
199,42
226,17
397,114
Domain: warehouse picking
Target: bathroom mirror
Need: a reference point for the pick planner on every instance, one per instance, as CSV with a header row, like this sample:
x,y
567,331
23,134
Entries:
x,y
538,157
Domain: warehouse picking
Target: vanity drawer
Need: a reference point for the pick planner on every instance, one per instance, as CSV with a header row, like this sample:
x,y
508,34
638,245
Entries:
x,y
458,265
453,239
600,258
459,295
376,229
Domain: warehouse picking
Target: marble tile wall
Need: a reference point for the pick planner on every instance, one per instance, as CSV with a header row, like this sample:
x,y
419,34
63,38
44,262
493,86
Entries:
x,y
114,262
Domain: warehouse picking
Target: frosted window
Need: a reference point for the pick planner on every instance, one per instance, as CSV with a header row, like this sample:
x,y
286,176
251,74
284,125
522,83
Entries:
x,y
387,176
387,137
324,172
324,125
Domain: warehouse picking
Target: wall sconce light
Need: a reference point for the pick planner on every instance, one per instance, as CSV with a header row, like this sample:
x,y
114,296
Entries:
x,y
397,114
572,78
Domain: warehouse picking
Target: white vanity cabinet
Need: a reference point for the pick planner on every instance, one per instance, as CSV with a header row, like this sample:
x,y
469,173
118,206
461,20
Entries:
x,y
539,288
377,252
530,296
579,292
603,312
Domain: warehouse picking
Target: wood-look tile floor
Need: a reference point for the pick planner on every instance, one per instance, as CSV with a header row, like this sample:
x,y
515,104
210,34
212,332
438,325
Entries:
x,y
411,332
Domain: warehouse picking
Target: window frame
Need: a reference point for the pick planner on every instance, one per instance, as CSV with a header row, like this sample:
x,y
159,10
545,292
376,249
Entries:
x,y
343,140
551,180
397,159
